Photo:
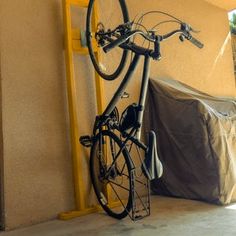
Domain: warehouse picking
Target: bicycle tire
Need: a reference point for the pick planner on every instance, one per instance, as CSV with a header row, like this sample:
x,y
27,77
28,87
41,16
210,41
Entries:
x,y
121,58
97,172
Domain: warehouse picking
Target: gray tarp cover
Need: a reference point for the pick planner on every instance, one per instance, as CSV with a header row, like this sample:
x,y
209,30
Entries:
x,y
196,138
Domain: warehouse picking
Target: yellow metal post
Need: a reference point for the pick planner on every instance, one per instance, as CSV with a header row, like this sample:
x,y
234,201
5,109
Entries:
x,y
73,44
72,100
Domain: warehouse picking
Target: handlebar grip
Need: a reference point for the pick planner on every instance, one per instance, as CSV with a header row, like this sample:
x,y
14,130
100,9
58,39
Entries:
x,y
196,42
117,42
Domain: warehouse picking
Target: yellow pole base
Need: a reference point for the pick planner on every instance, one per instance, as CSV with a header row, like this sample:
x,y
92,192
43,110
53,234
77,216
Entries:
x,y
73,214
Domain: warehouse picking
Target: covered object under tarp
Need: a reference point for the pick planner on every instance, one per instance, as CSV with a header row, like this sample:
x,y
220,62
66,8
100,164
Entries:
x,y
196,138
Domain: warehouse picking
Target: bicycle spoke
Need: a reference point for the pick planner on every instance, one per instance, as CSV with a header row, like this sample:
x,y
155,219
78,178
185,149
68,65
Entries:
x,y
118,185
106,22
118,196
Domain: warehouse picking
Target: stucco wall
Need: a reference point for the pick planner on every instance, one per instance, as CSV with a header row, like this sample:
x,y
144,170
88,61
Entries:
x,y
210,69
227,5
37,163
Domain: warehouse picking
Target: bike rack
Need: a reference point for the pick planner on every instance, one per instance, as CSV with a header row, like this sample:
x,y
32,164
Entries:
x,y
140,186
73,44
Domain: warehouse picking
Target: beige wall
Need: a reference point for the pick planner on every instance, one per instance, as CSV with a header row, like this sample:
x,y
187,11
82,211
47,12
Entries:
x,y
37,163
210,69
1,158
227,5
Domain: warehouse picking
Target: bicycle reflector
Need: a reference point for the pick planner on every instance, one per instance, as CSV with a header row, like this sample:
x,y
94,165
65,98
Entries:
x,y
129,117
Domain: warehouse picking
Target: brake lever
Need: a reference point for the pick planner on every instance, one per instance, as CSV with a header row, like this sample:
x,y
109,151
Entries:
x,y
188,28
195,31
186,35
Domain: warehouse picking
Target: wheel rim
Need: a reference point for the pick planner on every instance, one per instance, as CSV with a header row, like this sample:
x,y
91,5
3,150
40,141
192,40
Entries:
x,y
114,189
111,13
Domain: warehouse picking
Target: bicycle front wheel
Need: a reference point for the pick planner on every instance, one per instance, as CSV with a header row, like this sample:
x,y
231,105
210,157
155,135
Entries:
x,y
102,16
110,170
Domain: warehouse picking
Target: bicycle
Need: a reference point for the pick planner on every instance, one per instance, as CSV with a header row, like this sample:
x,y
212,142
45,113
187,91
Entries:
x,y
114,139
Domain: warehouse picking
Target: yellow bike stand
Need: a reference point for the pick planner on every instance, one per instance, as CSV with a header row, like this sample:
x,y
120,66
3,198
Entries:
x,y
73,45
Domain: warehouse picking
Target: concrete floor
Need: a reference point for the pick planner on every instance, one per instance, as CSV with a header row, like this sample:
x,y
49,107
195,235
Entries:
x,y
169,216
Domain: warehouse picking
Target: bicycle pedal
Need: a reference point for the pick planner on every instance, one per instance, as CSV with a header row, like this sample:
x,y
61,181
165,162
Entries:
x,y
86,140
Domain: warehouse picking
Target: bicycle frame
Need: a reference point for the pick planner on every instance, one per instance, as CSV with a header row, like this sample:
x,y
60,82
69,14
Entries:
x,y
109,120
134,133
142,97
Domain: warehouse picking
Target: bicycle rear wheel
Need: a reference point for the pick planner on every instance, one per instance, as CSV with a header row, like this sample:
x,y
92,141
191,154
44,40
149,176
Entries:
x,y
108,14
113,188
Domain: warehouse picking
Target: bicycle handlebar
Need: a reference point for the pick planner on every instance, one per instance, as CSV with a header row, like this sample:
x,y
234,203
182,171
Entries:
x,y
153,38
196,42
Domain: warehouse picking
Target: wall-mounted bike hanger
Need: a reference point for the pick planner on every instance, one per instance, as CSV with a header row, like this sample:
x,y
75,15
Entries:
x,y
74,44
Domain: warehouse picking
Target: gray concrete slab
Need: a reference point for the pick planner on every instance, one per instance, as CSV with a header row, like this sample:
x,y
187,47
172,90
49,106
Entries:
x,y
169,216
